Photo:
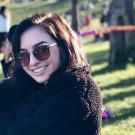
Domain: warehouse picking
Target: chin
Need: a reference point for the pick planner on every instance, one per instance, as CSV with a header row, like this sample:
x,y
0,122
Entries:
x,y
40,80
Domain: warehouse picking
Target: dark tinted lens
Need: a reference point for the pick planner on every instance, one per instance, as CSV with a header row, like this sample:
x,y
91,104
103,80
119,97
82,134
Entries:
x,y
42,52
24,58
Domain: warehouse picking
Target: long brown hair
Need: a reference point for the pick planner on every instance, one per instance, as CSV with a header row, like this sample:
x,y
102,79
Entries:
x,y
56,26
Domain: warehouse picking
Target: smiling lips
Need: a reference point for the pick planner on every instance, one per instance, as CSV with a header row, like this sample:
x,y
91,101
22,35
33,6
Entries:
x,y
39,70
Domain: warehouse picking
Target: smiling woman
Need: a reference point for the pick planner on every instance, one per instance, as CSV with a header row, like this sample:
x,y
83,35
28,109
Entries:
x,y
45,57
51,91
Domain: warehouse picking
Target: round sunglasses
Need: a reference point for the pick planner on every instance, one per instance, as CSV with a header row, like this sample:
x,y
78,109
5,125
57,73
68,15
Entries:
x,y
40,52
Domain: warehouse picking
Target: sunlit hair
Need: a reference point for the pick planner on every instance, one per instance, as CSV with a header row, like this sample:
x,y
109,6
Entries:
x,y
56,26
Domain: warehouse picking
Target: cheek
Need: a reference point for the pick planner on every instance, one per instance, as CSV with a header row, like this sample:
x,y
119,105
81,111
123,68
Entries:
x,y
53,65
56,61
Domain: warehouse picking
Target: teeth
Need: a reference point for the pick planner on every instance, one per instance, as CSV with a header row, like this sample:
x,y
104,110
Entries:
x,y
39,69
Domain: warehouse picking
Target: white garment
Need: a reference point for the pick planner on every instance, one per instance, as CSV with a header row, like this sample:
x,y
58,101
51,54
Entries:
x,y
4,24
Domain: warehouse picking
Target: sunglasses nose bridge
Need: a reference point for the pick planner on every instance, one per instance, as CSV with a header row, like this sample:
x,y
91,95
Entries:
x,y
32,59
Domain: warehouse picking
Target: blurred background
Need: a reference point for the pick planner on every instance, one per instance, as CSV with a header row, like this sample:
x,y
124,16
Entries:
x,y
107,32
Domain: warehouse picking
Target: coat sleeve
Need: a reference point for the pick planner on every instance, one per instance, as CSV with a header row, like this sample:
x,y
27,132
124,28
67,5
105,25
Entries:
x,y
9,98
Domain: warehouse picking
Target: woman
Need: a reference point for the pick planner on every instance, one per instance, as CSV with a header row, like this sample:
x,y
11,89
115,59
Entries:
x,y
6,51
4,19
51,90
5,48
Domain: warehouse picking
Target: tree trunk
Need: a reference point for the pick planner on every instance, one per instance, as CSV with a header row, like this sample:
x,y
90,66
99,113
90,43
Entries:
x,y
130,36
75,17
121,13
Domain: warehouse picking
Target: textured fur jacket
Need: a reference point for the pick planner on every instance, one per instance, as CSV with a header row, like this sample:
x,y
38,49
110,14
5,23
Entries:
x,y
69,104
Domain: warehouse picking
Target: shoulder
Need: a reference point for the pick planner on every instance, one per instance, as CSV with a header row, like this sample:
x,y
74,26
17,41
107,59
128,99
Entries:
x,y
5,83
84,80
89,94
76,87
7,88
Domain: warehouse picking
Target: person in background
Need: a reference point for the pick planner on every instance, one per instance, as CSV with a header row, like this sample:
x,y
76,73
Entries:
x,y
4,19
51,91
6,51
5,48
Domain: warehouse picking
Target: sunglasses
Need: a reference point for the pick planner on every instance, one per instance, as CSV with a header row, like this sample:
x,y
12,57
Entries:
x,y
40,52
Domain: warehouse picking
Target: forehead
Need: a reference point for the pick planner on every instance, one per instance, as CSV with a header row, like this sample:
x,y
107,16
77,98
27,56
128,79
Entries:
x,y
34,35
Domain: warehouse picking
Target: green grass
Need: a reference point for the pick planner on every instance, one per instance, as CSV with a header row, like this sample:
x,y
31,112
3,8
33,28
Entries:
x,y
118,89
21,11
1,74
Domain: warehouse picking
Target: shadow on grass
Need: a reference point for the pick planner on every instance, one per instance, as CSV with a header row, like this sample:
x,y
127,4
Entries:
x,y
121,84
98,57
125,114
109,69
101,57
121,96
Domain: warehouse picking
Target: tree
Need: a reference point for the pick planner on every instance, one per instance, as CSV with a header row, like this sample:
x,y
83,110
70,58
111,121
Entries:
x,y
75,16
122,44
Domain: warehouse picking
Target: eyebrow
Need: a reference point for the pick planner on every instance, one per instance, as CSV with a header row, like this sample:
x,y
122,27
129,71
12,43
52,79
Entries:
x,y
37,44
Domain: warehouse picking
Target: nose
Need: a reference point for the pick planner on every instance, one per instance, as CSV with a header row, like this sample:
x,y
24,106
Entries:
x,y
33,60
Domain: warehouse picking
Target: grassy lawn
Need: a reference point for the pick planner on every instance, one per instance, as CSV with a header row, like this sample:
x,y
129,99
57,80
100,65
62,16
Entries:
x,y
21,11
1,74
118,89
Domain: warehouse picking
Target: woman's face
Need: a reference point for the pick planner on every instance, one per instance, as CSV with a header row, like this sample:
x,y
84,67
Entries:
x,y
40,70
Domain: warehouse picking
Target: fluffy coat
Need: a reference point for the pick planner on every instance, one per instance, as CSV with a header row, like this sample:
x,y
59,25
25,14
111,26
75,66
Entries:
x,y
69,104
